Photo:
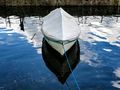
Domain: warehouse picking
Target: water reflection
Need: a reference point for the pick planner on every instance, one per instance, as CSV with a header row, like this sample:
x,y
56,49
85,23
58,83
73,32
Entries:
x,y
100,48
57,63
73,10
22,24
117,82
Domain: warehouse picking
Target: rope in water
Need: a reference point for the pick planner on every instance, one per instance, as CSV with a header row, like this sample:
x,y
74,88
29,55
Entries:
x,y
71,69
68,85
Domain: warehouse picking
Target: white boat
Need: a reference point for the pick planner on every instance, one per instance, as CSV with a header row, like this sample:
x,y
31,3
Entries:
x,y
60,30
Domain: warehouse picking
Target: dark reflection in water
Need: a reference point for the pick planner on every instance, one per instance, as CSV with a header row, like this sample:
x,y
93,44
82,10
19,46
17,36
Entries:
x,y
22,24
58,63
23,11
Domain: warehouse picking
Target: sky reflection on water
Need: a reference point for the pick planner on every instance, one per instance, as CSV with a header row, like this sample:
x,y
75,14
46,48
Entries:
x,y
22,66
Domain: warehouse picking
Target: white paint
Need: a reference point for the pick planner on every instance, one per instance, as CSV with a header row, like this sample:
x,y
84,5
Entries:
x,y
59,25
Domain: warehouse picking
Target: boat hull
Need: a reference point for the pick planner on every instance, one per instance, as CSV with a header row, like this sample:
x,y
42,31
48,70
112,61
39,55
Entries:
x,y
60,47
60,30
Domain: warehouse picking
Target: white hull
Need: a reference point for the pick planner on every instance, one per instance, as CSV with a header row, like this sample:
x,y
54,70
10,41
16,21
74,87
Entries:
x,y
59,47
59,27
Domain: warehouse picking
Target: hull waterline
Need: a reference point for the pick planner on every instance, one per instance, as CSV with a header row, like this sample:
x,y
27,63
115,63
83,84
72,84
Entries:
x,y
59,47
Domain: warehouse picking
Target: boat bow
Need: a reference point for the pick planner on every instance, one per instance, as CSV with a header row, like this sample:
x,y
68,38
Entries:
x,y
60,27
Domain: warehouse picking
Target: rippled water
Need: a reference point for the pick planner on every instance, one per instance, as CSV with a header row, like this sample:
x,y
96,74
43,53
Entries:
x,y
23,68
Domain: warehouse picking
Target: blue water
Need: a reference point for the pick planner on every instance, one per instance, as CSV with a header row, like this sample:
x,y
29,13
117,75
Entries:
x,y
22,68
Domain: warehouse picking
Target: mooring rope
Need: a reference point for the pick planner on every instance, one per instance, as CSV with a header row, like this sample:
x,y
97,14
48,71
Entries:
x,y
71,69
68,85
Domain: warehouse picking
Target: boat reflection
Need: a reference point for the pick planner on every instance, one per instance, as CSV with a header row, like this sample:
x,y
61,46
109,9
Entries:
x,y
57,63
